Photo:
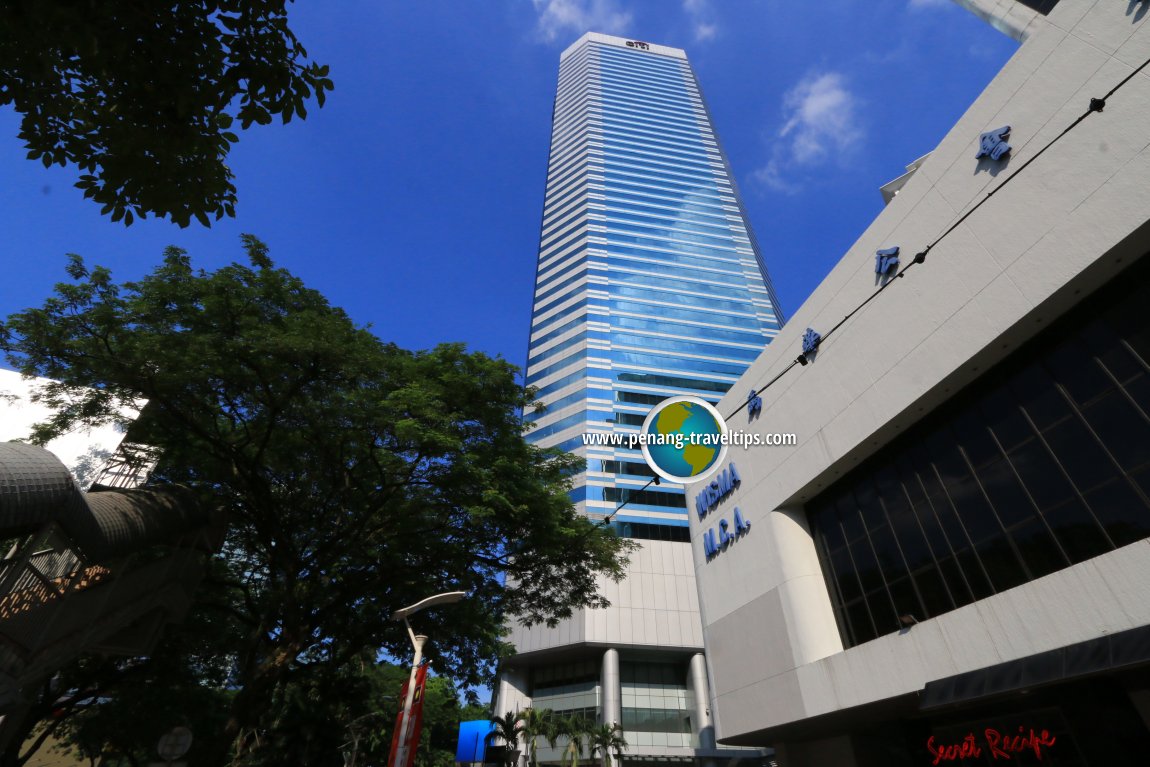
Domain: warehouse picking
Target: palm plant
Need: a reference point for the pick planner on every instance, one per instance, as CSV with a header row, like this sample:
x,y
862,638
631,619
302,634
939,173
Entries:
x,y
537,722
607,740
507,728
575,730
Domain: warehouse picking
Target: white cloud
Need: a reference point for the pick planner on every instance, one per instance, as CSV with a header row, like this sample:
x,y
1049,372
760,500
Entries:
x,y
700,15
771,175
575,17
704,32
820,126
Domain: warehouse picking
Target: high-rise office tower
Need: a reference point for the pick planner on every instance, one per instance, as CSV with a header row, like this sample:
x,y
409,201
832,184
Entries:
x,y
649,284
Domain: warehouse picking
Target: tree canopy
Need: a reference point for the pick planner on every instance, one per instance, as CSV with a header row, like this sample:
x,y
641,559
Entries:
x,y
143,96
358,477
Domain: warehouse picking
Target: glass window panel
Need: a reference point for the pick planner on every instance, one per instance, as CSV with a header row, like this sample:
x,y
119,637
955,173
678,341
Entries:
x,y
1120,510
974,437
1001,564
1003,417
1037,547
886,549
885,619
924,512
975,576
1006,494
906,529
1106,345
829,530
867,501
1138,339
867,566
1139,390
1074,368
1080,455
905,599
1040,475
968,499
1034,390
848,584
1121,428
849,516
1077,531
931,587
944,512
953,576
860,621
1142,479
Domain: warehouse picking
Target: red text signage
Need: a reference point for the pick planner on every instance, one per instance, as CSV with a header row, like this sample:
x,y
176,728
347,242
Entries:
x,y
996,744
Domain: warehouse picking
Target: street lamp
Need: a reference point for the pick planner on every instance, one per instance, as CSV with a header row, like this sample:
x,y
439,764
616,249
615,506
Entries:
x,y
446,598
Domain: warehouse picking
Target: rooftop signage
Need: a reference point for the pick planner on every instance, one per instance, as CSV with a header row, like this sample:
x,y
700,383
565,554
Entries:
x,y
637,44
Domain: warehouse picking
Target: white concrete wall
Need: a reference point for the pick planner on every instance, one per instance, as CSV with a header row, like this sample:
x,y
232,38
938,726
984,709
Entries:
x,y
1073,219
656,605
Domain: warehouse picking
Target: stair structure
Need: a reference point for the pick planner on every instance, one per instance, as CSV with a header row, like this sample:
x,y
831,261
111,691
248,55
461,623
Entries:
x,y
101,571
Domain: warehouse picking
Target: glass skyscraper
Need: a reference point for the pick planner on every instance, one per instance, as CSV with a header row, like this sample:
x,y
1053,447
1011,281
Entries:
x,y
649,284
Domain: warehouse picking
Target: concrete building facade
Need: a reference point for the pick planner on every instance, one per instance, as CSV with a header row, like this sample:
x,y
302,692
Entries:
x,y
951,566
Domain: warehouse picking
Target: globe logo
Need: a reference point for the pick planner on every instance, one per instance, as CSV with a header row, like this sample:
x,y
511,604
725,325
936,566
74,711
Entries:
x,y
684,439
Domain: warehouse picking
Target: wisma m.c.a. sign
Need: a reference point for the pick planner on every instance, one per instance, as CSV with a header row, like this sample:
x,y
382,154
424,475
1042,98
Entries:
x,y
719,537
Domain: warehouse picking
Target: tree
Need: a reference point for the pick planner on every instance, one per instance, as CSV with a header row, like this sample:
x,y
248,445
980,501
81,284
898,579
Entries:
x,y
509,729
537,722
143,96
354,474
606,740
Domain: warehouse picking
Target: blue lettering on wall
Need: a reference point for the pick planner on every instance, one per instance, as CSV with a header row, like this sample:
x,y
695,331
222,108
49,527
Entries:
x,y
714,545
886,260
754,405
993,144
811,340
716,490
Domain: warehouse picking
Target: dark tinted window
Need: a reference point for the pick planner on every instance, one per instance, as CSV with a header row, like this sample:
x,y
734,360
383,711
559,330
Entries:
x,y
1042,463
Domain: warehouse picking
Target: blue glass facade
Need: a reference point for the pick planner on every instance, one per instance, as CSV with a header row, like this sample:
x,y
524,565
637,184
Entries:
x,y
649,281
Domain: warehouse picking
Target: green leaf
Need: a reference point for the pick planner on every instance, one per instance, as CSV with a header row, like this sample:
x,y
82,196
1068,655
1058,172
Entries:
x,y
159,83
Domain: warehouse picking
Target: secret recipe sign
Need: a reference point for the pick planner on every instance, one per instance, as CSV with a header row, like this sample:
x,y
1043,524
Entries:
x,y
996,744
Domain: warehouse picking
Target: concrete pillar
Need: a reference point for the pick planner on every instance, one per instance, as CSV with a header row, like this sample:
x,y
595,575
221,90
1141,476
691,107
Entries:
x,y
610,694
512,696
701,694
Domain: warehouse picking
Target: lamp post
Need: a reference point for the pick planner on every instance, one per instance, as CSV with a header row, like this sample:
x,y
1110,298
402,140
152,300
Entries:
x,y
417,643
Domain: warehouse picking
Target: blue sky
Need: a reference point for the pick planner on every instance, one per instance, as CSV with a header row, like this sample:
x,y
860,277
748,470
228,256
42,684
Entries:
x,y
413,198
